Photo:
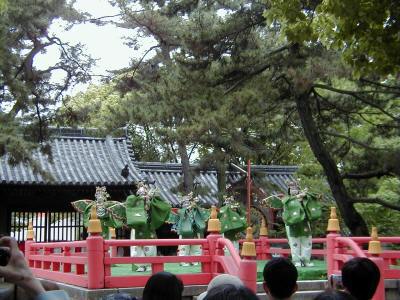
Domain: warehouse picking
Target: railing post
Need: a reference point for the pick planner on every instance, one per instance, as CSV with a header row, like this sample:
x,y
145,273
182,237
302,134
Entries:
x,y
95,252
248,264
113,236
214,228
374,249
333,232
380,290
30,235
264,241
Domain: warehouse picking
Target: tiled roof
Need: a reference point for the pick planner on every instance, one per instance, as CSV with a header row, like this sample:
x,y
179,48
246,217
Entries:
x,y
169,175
77,161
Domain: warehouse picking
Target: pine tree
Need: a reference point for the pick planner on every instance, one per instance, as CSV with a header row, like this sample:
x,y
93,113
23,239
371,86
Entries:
x,y
27,92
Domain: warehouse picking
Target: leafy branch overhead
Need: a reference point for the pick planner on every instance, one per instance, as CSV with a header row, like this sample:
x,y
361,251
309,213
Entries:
x,y
28,92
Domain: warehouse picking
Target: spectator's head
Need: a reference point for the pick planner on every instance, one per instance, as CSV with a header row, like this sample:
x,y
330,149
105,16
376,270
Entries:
x,y
334,295
360,277
280,278
163,285
230,292
220,280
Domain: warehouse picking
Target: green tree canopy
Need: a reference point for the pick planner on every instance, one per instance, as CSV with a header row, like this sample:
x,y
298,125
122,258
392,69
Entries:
x,y
28,92
365,32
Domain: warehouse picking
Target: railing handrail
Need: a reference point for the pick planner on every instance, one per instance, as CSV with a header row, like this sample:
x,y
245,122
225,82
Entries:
x,y
231,249
71,244
155,242
382,239
352,244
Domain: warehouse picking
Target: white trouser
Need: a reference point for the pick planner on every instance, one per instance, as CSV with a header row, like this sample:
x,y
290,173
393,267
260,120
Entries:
x,y
300,248
141,251
185,250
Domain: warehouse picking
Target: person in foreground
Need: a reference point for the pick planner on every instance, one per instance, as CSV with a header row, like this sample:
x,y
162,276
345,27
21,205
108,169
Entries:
x,y
230,292
163,286
222,279
280,279
17,271
360,277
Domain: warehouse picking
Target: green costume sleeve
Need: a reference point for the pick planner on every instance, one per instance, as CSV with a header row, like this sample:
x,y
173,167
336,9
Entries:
x,y
160,211
86,214
232,221
81,205
117,213
185,225
135,213
201,216
293,211
312,206
275,202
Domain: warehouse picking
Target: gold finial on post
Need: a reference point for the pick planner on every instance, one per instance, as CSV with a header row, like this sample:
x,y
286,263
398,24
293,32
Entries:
x,y
30,234
333,222
94,223
263,228
249,247
214,224
374,245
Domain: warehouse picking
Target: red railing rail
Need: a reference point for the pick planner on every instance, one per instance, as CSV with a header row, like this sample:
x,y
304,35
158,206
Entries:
x,y
266,247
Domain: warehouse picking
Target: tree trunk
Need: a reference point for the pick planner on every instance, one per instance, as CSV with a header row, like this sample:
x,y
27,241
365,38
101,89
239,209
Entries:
x,y
221,181
187,175
351,217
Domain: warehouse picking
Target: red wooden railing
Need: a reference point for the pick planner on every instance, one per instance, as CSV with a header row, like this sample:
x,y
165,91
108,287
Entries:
x,y
88,263
61,261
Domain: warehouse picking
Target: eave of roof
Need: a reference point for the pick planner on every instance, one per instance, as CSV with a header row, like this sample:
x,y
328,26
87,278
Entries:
x,y
76,161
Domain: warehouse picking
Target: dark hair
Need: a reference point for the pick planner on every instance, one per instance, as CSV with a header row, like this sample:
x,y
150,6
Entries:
x,y
163,285
280,277
360,277
230,292
331,294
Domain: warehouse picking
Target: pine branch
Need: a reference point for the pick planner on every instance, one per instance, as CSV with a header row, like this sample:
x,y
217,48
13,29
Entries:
x,y
142,58
358,97
380,84
376,200
354,141
366,175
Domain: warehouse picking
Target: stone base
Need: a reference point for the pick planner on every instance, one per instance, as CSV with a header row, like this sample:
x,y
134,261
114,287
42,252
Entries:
x,y
308,289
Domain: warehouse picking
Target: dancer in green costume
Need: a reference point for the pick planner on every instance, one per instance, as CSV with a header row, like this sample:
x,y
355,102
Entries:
x,y
190,222
145,212
300,208
233,219
110,213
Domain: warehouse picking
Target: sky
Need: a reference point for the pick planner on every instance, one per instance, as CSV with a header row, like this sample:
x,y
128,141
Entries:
x,y
104,43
